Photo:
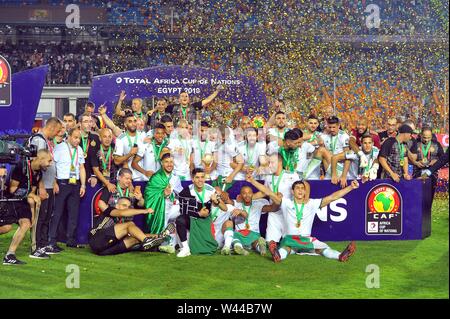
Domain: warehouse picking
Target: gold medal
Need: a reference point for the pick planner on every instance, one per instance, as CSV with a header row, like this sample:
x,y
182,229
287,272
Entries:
x,y
93,143
247,226
72,168
106,173
298,225
402,162
85,155
424,160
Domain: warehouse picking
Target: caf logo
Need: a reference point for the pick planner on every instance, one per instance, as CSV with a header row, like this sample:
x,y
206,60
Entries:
x,y
384,211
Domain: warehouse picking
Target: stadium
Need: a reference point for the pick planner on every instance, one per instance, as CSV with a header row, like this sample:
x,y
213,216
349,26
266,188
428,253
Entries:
x,y
111,80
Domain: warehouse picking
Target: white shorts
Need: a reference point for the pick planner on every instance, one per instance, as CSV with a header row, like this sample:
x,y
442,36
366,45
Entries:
x,y
275,226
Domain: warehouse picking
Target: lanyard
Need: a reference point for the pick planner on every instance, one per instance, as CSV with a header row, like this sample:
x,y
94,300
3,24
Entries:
x,y
129,139
119,190
202,149
72,167
140,115
106,158
275,187
247,225
250,160
50,146
425,151
298,213
85,144
201,197
30,176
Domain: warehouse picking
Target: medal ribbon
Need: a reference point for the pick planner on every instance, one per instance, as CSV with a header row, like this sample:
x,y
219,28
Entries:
x,y
106,158
85,144
290,159
72,167
401,149
202,196
157,150
333,143
250,160
129,139
119,190
277,185
247,225
202,149
426,150
298,213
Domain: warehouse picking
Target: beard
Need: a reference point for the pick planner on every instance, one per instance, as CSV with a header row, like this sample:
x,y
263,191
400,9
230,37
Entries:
x,y
132,129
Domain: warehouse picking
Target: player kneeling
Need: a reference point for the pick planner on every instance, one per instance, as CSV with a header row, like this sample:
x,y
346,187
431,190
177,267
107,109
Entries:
x,y
109,238
298,215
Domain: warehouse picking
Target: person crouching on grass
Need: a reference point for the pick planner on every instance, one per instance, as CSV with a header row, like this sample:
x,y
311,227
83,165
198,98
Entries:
x,y
110,238
299,215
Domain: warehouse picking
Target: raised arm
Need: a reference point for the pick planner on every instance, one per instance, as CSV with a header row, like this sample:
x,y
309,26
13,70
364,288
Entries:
x,y
339,194
276,198
102,112
210,98
118,110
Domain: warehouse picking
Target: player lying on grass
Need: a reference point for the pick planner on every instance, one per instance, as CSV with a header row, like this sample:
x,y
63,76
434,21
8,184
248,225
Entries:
x,y
298,217
246,233
109,238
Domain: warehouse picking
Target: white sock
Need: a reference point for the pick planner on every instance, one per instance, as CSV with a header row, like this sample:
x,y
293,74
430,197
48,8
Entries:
x,y
185,245
237,244
228,235
257,249
330,253
283,253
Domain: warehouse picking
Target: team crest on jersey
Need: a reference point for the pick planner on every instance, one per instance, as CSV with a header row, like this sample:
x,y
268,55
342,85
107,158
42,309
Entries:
x,y
384,210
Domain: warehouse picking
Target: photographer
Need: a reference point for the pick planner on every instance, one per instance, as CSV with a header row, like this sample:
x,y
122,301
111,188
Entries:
x,y
25,178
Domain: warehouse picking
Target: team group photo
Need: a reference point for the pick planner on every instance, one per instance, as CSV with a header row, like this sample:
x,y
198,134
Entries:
x,y
208,150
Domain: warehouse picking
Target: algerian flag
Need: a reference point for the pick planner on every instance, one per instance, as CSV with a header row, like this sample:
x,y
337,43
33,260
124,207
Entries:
x,y
154,198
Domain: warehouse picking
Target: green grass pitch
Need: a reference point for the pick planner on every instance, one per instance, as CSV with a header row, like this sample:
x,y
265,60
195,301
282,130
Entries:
x,y
408,269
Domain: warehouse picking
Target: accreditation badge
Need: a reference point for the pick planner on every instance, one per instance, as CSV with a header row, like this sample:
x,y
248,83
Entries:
x,y
73,176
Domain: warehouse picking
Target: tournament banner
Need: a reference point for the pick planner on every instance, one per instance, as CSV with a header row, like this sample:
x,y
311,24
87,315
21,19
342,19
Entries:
x,y
27,86
166,81
5,82
377,210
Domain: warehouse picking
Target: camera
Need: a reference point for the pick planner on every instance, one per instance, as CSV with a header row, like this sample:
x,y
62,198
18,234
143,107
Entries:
x,y
11,151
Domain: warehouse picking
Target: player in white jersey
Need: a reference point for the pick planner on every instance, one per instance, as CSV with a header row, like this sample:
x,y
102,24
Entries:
x,y
279,181
227,153
251,151
298,215
277,133
352,168
149,154
181,146
336,141
205,200
204,151
247,233
127,145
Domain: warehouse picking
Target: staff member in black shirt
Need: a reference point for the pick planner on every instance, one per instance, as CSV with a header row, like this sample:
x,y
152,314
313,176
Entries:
x,y
90,143
71,179
186,110
393,156
24,182
102,162
154,116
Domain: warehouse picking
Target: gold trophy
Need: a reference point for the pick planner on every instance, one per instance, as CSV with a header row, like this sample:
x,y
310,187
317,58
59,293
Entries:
x,y
208,160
